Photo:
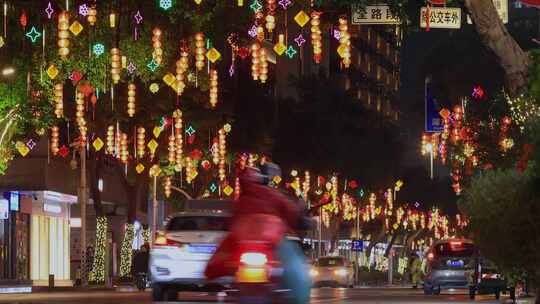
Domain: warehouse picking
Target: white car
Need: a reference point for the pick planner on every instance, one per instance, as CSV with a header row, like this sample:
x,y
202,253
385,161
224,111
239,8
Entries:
x,y
181,252
332,271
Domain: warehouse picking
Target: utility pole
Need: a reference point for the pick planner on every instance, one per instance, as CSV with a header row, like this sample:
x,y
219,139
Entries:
x,y
357,268
154,173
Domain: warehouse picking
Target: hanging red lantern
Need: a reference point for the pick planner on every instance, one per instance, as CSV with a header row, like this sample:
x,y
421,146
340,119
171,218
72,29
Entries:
x,y
196,154
243,52
206,165
23,20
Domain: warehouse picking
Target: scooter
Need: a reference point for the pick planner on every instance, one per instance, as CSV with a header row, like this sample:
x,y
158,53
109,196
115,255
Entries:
x,y
257,279
271,274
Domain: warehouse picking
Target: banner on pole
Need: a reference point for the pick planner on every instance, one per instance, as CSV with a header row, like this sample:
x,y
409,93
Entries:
x,y
441,17
373,14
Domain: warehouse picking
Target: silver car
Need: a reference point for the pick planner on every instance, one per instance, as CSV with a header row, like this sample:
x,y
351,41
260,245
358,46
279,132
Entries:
x,y
332,271
181,252
449,264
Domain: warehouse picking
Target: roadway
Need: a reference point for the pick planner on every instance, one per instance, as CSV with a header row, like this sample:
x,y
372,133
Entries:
x,y
319,296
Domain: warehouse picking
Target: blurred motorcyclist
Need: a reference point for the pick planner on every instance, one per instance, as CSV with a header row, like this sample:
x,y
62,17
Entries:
x,y
265,214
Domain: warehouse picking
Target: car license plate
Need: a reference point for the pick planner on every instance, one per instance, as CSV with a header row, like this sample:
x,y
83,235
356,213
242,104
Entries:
x,y
451,263
207,249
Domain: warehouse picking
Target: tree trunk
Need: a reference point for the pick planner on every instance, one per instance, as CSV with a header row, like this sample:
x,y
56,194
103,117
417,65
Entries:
x,y
513,60
97,275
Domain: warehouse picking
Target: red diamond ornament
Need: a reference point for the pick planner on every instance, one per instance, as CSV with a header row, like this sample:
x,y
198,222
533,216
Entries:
x,y
64,151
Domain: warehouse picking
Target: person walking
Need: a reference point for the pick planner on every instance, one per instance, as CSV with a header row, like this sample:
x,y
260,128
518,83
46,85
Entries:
x,y
416,271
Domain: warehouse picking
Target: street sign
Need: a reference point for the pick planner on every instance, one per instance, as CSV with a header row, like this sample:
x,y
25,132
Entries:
x,y
4,209
372,14
357,246
441,17
502,8
434,123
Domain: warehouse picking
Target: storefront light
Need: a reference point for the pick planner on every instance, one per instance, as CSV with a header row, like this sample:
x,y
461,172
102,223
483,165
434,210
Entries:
x,y
100,185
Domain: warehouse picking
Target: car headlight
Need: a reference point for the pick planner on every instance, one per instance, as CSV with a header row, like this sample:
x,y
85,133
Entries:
x,y
341,272
313,272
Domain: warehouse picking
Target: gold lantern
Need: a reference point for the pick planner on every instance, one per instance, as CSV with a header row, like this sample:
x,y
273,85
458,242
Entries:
x,y
179,139
213,88
63,35
172,149
200,51
58,100
110,140
263,65
116,64
157,54
316,36
255,57
124,153
344,49
92,16
54,140
222,152
140,142
131,99
271,18
167,186
182,66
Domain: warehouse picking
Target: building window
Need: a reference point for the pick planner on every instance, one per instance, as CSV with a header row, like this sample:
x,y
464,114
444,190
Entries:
x,y
378,42
388,50
379,72
369,99
369,35
388,78
379,104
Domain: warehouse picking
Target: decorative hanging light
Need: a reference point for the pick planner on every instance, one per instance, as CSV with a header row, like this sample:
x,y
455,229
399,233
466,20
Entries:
x,y
263,65
182,66
179,139
55,139
63,35
200,51
80,115
316,36
236,188
213,88
172,149
215,151
92,16
222,152
189,170
259,25
157,54
124,153
372,200
131,99
270,17
58,100
167,186
255,57
140,142
344,49
306,185
110,140
116,64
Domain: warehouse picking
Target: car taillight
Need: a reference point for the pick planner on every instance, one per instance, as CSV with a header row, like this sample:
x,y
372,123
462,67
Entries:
x,y
491,276
254,259
161,241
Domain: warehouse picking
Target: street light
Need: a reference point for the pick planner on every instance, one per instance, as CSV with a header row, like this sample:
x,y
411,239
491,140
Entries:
x,y
8,71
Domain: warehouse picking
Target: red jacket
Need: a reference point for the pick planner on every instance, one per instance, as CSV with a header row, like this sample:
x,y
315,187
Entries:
x,y
261,213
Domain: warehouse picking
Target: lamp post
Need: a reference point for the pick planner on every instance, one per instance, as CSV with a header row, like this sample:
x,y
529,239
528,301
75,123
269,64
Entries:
x,y
154,172
429,148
